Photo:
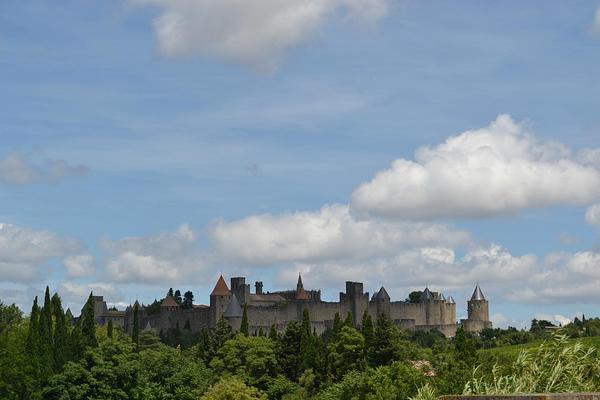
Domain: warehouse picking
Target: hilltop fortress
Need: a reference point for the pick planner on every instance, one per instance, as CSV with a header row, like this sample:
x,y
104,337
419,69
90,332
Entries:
x,y
432,311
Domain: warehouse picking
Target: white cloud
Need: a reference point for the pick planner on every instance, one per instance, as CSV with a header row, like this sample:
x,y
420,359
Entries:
x,y
494,170
167,257
25,252
256,32
596,24
592,215
18,170
79,265
556,319
331,233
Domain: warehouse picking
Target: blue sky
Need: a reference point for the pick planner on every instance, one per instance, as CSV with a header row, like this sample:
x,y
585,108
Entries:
x,y
136,155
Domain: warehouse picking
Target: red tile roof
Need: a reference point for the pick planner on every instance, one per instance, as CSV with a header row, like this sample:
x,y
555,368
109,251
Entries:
x,y
221,288
169,301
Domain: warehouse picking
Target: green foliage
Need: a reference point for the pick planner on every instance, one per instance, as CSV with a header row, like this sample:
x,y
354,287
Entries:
x,y
382,349
347,352
557,366
135,335
188,300
244,326
232,388
280,386
9,316
154,307
109,329
426,392
60,334
88,324
290,351
252,357
415,296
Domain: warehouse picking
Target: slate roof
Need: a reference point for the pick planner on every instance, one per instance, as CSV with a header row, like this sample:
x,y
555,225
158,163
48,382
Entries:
x,y
426,295
234,310
382,294
477,294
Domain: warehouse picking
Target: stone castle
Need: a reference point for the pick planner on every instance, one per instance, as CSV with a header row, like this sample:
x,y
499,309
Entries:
x,y
432,311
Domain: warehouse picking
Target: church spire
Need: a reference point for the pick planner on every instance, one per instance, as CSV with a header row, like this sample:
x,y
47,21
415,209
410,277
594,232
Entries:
x,y
299,285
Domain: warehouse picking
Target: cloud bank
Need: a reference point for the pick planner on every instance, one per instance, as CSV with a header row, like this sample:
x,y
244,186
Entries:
x,y
255,33
17,170
495,170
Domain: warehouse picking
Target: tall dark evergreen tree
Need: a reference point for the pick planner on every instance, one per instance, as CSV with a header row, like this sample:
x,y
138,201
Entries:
x,y
367,331
244,327
203,346
464,347
61,335
273,333
382,352
290,351
45,331
135,335
32,340
188,299
337,327
88,323
307,342
222,333
109,329
177,297
170,292
349,320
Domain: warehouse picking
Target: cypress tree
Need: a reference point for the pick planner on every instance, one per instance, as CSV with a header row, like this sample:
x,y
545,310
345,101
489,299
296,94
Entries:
x,y
307,343
244,327
77,343
32,334
349,320
170,292
222,333
290,355
337,327
367,331
135,335
273,333
45,349
177,297
203,346
464,347
88,323
109,329
383,349
60,333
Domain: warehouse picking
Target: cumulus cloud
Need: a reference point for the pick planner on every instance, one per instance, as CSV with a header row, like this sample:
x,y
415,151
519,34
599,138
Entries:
x,y
18,170
79,265
254,33
331,233
167,257
592,215
596,24
25,252
494,170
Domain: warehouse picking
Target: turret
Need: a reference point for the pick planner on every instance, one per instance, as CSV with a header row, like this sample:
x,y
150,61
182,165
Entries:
x,y
234,313
300,292
382,302
478,312
219,299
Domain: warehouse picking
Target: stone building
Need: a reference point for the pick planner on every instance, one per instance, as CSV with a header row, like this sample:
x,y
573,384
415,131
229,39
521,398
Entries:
x,y
432,311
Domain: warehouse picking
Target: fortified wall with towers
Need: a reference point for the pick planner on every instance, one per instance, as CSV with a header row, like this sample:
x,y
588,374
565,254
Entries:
x,y
432,311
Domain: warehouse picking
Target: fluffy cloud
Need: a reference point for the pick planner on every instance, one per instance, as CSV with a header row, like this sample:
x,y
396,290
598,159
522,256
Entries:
x,y
18,170
494,170
254,33
596,24
24,252
79,265
167,257
592,215
331,233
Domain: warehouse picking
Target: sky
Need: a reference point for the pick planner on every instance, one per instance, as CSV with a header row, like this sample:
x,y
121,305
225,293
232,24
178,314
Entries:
x,y
149,144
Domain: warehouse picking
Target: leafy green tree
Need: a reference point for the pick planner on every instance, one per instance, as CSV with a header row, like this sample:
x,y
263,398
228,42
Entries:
x,y
252,357
415,296
347,353
88,323
109,371
244,326
221,334
232,388
203,345
366,329
464,347
9,315
280,387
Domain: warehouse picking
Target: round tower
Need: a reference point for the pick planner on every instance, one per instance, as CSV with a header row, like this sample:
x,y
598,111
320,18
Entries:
x,y
478,307
219,300
234,313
